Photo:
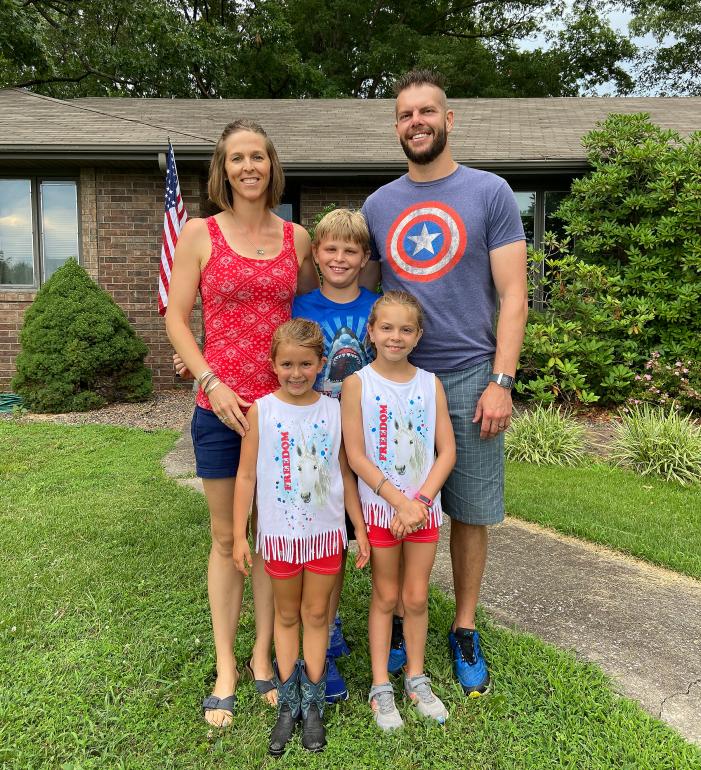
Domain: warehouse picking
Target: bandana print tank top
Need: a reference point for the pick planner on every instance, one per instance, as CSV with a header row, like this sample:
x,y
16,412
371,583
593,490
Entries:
x,y
243,302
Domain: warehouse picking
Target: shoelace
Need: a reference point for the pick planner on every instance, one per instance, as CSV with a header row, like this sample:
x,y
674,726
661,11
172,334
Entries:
x,y
385,702
422,688
467,648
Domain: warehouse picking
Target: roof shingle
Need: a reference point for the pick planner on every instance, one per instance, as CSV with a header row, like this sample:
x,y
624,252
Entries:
x,y
325,133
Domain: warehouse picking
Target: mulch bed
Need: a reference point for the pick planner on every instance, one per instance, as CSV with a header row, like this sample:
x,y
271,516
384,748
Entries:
x,y
165,410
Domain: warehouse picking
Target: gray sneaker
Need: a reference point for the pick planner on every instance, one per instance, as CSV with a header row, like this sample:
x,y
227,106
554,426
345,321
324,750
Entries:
x,y
418,690
381,700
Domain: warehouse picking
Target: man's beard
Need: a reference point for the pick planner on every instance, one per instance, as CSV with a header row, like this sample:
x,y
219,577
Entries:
x,y
422,158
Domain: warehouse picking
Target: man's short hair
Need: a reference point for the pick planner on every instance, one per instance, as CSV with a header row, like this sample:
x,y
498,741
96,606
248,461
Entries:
x,y
344,225
418,78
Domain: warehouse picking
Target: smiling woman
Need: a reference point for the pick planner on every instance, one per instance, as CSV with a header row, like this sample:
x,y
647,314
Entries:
x,y
246,263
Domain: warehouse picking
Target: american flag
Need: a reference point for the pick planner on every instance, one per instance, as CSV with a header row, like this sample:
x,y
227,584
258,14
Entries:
x,y
173,220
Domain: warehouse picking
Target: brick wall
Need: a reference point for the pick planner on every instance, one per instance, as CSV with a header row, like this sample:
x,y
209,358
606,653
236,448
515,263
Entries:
x,y
315,198
129,224
12,307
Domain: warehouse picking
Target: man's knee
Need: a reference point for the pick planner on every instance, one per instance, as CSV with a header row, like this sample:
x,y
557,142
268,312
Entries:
x,y
468,534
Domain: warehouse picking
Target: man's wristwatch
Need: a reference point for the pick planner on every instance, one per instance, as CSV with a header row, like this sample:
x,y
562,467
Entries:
x,y
505,380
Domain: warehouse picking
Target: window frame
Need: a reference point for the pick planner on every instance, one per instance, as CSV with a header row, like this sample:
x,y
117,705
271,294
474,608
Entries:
x,y
35,182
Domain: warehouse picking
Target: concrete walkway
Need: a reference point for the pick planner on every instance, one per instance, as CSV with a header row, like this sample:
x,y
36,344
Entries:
x,y
640,624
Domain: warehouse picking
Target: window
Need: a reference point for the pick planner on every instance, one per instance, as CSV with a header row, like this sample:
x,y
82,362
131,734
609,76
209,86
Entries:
x,y
285,211
526,203
38,229
553,200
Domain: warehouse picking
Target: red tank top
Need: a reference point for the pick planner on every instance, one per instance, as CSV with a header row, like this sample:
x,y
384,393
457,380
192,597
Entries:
x,y
243,302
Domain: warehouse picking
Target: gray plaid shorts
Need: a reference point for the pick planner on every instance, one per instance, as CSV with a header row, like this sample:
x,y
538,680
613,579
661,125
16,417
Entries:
x,y
474,491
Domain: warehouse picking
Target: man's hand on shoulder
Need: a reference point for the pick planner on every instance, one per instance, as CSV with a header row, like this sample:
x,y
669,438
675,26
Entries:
x,y
493,410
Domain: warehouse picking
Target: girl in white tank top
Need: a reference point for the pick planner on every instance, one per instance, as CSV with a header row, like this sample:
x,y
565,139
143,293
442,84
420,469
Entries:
x,y
400,442
292,455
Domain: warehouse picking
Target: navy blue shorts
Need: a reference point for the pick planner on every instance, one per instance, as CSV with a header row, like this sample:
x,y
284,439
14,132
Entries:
x,y
217,448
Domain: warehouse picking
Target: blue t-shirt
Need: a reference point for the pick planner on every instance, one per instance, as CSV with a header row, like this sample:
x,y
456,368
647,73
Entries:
x,y
347,347
433,239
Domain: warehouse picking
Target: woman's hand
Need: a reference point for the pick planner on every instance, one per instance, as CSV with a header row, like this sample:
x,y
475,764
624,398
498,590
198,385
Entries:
x,y
242,555
227,404
361,538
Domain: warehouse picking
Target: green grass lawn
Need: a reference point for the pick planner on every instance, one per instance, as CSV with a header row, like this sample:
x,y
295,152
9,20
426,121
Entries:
x,y
105,646
653,519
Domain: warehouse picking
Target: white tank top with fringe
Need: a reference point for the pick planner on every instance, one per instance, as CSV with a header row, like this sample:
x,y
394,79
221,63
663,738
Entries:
x,y
299,483
399,420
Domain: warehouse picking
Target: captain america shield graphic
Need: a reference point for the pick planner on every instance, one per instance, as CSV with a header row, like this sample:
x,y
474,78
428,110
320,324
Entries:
x,y
426,241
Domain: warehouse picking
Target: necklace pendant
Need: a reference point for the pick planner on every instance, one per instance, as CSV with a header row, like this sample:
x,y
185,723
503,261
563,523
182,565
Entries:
x,y
260,252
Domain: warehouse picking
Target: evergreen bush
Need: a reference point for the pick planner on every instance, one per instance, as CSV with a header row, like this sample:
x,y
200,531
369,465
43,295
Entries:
x,y
78,350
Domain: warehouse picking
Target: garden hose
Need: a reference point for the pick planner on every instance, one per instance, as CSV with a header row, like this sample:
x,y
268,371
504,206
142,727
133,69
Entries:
x,y
8,401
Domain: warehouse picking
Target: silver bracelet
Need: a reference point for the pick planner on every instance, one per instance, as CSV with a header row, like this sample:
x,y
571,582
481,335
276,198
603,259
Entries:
x,y
211,384
377,489
203,375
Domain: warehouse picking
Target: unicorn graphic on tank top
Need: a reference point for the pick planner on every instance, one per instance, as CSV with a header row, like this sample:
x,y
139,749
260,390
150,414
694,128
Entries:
x,y
409,449
313,473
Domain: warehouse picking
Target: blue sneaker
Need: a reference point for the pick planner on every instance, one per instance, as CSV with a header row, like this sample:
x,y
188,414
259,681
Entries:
x,y
468,661
336,689
338,647
397,650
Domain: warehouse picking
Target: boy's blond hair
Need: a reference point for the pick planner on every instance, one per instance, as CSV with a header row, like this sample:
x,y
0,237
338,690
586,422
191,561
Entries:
x,y
344,225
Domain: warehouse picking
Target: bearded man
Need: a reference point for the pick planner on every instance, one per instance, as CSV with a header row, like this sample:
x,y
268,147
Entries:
x,y
453,237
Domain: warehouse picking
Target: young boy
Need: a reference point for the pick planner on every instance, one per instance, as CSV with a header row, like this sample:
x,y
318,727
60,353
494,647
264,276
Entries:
x,y
341,247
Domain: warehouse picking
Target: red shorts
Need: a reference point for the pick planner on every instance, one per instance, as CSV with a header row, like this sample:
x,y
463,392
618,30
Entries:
x,y
326,565
382,537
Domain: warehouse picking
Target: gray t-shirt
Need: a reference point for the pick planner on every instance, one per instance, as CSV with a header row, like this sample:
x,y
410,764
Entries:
x,y
433,239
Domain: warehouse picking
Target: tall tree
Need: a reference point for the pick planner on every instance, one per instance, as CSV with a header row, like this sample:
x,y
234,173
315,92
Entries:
x,y
298,48
672,66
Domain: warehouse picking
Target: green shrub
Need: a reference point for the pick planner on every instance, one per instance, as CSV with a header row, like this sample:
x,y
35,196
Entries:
x,y
545,436
655,441
78,349
631,284
583,346
638,214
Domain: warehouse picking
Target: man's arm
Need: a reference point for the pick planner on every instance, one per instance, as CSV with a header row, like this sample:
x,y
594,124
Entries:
x,y
509,273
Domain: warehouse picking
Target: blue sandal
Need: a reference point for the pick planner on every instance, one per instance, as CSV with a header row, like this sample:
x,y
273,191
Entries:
x,y
262,686
212,703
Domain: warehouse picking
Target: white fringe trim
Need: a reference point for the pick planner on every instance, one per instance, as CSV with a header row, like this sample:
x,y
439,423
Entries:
x,y
380,515
297,550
